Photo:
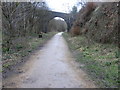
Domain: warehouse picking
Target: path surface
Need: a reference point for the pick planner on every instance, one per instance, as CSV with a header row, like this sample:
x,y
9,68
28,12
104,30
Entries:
x,y
51,67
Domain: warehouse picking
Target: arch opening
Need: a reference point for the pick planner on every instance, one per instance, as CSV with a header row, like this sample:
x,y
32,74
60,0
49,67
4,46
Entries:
x,y
57,24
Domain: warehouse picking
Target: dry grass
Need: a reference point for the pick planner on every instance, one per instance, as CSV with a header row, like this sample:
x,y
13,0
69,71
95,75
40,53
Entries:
x,y
75,30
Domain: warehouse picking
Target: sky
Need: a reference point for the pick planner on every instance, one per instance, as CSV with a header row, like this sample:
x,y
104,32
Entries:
x,y
58,18
61,5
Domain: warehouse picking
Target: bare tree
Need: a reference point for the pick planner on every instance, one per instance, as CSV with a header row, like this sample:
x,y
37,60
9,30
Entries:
x,y
20,19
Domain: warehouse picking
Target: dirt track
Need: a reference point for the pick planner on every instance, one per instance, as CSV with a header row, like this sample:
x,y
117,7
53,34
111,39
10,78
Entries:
x,y
50,67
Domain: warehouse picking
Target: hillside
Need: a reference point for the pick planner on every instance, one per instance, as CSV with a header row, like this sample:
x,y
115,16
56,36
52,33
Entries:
x,y
98,22
95,42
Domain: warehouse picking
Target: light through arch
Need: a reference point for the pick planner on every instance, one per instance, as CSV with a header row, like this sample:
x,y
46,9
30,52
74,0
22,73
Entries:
x,y
57,24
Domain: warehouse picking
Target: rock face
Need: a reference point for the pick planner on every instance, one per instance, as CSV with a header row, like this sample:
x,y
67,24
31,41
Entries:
x,y
99,22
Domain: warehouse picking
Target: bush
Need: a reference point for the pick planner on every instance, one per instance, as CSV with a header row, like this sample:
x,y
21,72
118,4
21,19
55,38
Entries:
x,y
5,49
75,30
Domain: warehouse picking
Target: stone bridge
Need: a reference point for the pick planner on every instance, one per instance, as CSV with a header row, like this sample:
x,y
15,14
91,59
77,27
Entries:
x,y
51,14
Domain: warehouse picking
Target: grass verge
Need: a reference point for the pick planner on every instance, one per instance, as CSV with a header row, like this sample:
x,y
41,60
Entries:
x,y
23,46
100,60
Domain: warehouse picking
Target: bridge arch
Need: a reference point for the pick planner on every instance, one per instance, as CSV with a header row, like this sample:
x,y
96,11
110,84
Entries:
x,y
57,24
67,17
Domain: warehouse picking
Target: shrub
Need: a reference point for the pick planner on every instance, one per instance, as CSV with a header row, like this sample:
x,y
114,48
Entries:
x,y
75,30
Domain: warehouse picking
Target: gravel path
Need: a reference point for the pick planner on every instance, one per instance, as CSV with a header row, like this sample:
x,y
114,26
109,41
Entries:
x,y
50,67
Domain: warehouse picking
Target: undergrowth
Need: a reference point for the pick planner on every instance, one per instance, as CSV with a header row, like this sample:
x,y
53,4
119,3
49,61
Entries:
x,y
100,60
22,47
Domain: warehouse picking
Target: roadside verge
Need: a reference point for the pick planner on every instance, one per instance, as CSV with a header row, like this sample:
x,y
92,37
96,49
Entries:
x,y
100,61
